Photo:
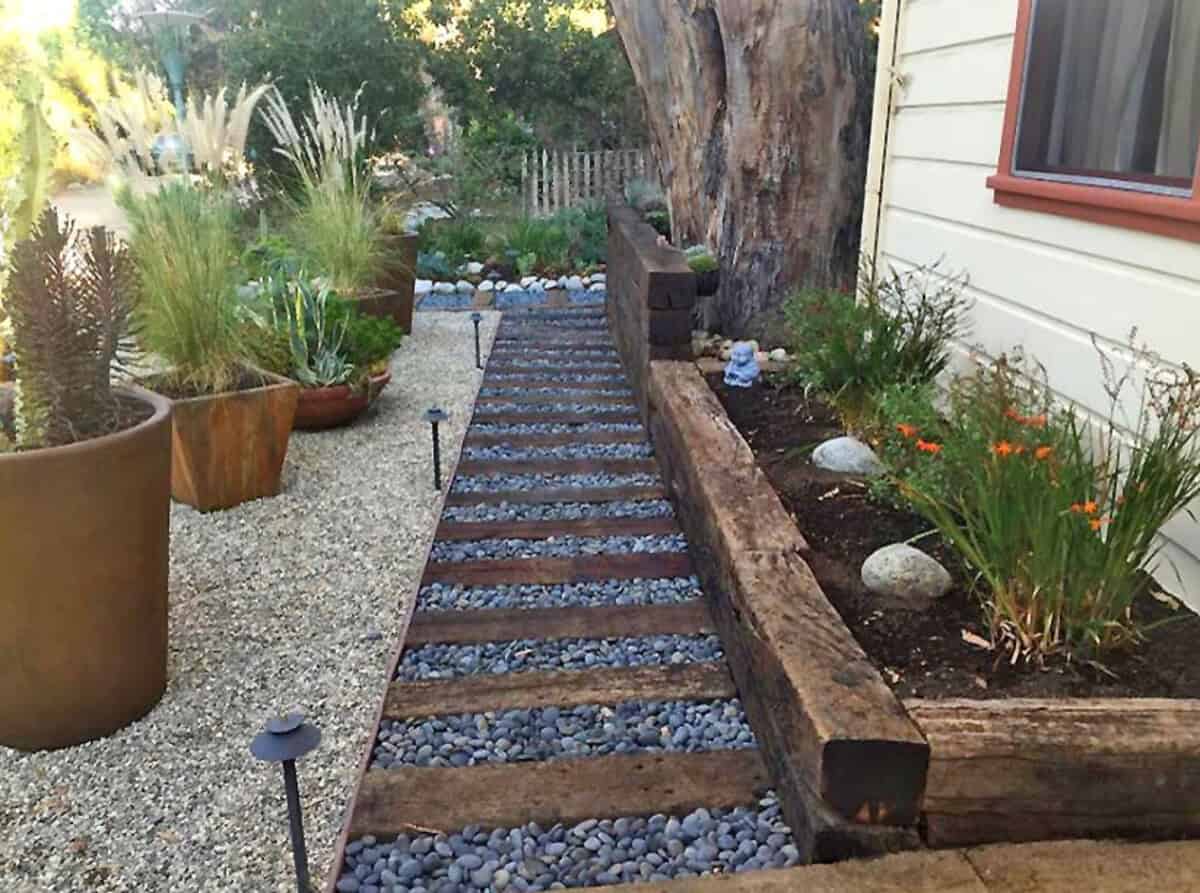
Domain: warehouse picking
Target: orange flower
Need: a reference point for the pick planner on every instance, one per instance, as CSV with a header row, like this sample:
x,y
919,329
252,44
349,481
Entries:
x,y
926,447
1011,413
1097,523
1037,421
906,430
1085,508
1043,452
1003,448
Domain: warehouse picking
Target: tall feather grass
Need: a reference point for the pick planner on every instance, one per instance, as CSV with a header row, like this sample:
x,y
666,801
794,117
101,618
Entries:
x,y
185,250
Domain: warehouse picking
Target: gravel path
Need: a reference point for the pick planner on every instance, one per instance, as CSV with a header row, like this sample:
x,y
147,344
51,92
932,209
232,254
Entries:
x,y
290,602
614,379
559,511
555,547
596,851
547,733
491,428
659,591
551,454
440,661
499,483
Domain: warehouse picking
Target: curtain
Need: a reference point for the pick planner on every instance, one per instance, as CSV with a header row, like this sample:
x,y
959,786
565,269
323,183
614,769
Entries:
x,y
1117,105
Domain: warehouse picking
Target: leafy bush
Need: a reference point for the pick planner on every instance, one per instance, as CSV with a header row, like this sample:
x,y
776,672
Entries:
x,y
457,240
660,219
370,340
545,238
899,333
703,263
433,265
1058,518
185,250
68,304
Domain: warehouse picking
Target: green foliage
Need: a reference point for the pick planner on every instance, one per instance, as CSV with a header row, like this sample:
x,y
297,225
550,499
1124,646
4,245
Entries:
x,y
370,340
341,45
185,250
898,333
433,265
504,141
456,240
316,337
703,263
67,304
336,233
541,61
546,239
271,253
660,219
1057,517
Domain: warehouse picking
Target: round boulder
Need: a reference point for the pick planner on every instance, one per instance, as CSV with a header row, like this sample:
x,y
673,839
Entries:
x,y
847,455
906,573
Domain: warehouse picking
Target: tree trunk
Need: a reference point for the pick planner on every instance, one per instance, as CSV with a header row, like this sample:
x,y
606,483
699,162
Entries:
x,y
759,113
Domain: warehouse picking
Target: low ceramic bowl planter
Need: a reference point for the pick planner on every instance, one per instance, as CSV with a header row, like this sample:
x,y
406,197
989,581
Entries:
x,y
229,448
322,408
83,591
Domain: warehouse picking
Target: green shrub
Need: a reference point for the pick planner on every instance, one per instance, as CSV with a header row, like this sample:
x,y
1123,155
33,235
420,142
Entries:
x,y
898,333
703,263
370,341
1057,518
457,240
184,247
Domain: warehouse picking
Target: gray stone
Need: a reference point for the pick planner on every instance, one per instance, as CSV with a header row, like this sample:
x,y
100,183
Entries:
x,y
848,455
904,572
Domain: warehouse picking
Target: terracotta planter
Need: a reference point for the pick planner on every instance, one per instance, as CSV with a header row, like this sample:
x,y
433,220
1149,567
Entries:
x,y
381,302
229,448
400,276
323,408
83,591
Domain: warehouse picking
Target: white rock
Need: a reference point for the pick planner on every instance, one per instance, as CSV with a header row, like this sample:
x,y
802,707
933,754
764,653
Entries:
x,y
562,281
901,571
848,455
599,277
550,283
474,268
512,286
778,355
587,280
501,285
464,287
535,288
597,286
423,286
444,288
527,281
573,283
487,285
761,357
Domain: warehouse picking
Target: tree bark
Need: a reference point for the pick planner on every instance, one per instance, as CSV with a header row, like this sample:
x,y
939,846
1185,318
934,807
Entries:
x,y
759,114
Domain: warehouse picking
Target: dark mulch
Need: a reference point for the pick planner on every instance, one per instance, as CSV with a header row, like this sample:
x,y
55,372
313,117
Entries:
x,y
922,653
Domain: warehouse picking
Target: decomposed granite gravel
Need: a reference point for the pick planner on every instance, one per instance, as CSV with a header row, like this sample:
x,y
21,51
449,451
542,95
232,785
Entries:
x,y
285,603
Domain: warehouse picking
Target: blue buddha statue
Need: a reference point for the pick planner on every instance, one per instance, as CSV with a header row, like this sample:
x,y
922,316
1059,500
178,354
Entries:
x,y
742,370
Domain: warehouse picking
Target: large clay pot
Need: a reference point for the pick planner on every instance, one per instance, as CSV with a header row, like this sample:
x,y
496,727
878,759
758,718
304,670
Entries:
x,y
400,276
84,533
323,408
229,448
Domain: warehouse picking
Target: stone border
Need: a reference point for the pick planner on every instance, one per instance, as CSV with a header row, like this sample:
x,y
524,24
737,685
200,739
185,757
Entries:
x,y
857,770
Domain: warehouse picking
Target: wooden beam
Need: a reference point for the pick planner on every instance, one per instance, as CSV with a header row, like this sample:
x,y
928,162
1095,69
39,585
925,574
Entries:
x,y
502,795
846,756
709,681
491,467
548,495
1031,769
600,622
576,569
468,531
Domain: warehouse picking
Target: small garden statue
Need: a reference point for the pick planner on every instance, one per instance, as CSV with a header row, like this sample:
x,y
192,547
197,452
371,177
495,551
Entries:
x,y
742,370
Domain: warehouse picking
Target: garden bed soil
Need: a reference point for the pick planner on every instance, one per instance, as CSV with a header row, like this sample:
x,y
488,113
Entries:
x,y
127,412
922,653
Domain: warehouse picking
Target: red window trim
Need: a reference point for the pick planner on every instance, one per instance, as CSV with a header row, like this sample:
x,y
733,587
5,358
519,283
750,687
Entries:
x,y
1174,216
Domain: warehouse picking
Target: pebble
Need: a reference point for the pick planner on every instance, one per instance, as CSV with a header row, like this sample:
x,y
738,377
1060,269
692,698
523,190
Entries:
x,y
447,661
555,547
613,366
847,455
904,572
602,377
660,591
543,858
559,511
468,739
502,482
548,454
483,410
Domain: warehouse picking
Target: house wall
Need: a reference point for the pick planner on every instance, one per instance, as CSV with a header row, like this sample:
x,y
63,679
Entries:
x,y
1043,282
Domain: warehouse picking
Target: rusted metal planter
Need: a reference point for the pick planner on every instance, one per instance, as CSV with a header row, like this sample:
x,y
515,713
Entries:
x,y
83,590
322,408
229,448
399,276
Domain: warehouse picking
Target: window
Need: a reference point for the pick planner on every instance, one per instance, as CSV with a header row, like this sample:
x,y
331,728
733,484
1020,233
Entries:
x,y
1103,115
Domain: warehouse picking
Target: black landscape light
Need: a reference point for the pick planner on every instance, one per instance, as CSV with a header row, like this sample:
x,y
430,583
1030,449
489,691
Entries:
x,y
477,318
435,415
285,740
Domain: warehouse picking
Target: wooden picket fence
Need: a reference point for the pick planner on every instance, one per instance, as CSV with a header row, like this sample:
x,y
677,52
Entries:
x,y
554,179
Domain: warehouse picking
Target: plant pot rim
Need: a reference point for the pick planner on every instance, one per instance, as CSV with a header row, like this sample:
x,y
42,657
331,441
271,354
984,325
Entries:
x,y
271,380
160,405
339,391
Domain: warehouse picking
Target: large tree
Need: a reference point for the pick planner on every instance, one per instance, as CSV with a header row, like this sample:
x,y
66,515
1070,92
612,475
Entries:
x,y
759,113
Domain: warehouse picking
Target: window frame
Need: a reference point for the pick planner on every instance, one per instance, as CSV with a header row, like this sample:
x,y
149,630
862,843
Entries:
x,y
1175,216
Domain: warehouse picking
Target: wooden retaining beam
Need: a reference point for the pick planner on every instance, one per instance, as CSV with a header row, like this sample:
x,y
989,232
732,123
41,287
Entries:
x,y
576,569
467,531
1032,769
600,622
708,681
492,467
548,495
392,801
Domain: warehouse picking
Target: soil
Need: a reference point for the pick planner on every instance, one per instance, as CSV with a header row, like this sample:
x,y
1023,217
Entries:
x,y
922,653
176,391
126,412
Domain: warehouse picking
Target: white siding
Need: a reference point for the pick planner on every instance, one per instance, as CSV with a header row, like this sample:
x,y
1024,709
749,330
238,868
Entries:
x,y
1046,283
